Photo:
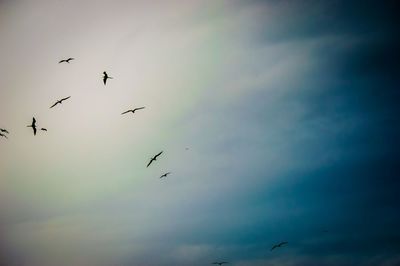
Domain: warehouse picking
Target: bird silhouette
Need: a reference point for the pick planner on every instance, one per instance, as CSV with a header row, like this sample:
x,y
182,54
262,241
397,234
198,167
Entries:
x,y
154,158
4,136
133,110
220,263
60,101
66,60
4,130
43,129
165,175
33,126
278,245
105,77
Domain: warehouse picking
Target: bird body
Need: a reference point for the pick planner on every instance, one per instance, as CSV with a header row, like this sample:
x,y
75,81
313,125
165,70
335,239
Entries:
x,y
105,77
154,158
278,245
165,175
66,60
60,101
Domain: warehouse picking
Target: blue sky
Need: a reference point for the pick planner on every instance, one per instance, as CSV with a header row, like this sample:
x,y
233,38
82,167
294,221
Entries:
x,y
278,121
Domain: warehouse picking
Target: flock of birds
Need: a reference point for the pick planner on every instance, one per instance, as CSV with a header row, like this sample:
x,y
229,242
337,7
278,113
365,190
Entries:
x,y
4,133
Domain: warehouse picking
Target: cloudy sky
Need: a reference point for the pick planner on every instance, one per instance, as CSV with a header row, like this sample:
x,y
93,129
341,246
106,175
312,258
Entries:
x,y
278,121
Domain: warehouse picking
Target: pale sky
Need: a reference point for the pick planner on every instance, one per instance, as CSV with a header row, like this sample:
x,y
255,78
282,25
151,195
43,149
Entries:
x,y
287,109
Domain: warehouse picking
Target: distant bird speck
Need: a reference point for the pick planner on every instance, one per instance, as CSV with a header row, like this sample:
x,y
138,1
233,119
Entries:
x,y
60,101
43,129
133,110
154,158
105,77
278,245
220,263
66,60
165,175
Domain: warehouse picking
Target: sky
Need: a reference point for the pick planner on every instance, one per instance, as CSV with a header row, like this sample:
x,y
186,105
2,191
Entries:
x,y
277,120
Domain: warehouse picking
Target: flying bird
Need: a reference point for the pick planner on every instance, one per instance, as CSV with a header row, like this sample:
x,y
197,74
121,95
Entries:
x,y
105,77
165,175
4,136
66,60
60,101
133,110
4,130
220,263
44,129
278,245
154,158
33,126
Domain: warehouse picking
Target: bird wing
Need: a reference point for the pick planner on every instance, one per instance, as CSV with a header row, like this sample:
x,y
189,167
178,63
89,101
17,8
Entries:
x,y
126,112
283,243
139,108
44,129
61,61
70,58
105,79
150,162
158,154
63,99
54,104
33,122
34,130
3,136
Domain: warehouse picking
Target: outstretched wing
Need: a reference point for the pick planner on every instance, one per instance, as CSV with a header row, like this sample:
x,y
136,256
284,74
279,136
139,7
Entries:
x,y
126,112
158,154
104,79
34,130
63,99
54,104
33,122
150,162
139,108
69,59
62,61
